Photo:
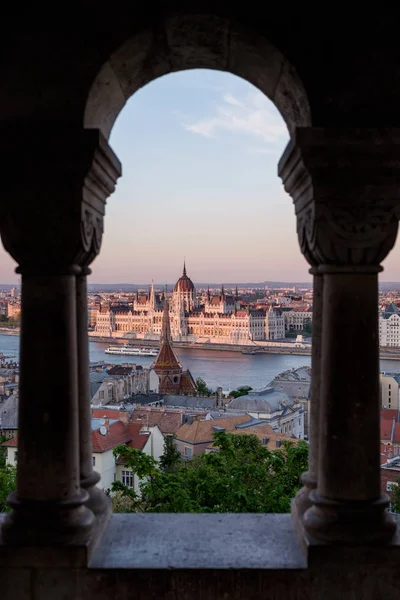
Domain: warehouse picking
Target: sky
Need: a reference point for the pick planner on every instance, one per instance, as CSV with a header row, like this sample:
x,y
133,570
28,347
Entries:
x,y
199,151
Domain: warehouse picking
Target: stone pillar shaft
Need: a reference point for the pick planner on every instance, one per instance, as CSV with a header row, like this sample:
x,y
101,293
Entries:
x,y
48,494
349,466
316,375
97,501
309,478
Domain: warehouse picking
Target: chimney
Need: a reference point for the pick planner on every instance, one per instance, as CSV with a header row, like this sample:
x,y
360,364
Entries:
x,y
124,416
107,423
278,443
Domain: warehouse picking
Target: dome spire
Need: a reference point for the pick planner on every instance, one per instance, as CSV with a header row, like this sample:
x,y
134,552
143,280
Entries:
x,y
184,268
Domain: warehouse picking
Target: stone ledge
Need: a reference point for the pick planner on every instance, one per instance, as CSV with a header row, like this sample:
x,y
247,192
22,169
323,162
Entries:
x,y
67,556
199,541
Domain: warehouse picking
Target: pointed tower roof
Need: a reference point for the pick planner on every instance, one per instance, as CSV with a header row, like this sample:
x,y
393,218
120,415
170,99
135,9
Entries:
x,y
166,359
184,283
152,298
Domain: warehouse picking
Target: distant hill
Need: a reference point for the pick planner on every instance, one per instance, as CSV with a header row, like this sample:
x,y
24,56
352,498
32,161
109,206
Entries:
x,y
131,287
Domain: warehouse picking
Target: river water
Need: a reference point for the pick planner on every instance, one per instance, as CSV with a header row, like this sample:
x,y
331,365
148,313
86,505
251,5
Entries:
x,y
226,369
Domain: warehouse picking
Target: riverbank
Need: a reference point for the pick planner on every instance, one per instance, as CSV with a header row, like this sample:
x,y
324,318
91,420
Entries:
x,y
384,354
10,331
246,348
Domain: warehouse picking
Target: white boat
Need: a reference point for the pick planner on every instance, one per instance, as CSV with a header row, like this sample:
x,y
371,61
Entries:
x,y
126,350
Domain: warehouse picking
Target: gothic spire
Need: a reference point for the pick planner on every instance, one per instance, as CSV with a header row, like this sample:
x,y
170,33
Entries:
x,y
166,326
184,268
166,359
152,298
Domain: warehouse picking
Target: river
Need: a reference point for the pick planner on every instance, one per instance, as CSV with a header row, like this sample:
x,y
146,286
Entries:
x,y
227,369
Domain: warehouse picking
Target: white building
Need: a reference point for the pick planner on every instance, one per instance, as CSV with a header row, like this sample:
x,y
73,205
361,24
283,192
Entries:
x,y
107,434
298,318
389,327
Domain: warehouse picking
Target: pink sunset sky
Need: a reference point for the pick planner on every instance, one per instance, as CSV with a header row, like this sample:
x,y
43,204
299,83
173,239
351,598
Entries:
x,y
199,151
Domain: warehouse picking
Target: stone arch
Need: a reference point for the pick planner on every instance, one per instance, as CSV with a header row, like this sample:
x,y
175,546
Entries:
x,y
195,41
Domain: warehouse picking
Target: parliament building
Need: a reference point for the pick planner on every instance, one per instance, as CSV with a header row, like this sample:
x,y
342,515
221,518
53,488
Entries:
x,y
218,318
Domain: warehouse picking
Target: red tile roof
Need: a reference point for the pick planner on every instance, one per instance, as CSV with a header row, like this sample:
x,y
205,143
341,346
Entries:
x,y
13,442
167,421
389,413
99,413
119,433
386,429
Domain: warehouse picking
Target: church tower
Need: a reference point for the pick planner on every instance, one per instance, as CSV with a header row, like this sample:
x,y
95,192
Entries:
x,y
173,379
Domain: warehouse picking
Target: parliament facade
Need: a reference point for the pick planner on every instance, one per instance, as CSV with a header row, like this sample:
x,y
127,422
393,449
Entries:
x,y
219,318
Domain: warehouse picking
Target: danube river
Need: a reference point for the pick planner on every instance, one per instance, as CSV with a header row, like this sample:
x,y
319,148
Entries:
x,y
227,369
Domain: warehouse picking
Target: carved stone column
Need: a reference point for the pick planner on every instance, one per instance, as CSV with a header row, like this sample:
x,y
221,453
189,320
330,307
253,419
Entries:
x,y
302,500
99,184
345,189
55,180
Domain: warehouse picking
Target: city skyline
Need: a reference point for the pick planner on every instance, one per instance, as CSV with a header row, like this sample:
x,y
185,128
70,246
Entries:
x,y
199,151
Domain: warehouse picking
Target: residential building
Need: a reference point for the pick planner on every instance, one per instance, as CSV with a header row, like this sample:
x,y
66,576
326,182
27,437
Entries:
x,y
296,383
9,416
389,384
297,318
274,408
107,434
121,382
389,326
197,437
13,310
390,476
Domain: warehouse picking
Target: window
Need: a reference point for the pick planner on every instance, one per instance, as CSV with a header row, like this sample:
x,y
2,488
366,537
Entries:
x,y
390,485
188,451
94,461
128,478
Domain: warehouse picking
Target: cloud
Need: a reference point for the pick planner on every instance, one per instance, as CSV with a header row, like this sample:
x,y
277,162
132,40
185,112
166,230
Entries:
x,y
254,115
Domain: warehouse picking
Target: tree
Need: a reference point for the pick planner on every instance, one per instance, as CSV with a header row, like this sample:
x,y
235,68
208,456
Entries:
x,y
8,483
202,388
307,328
395,497
241,475
241,391
2,451
171,457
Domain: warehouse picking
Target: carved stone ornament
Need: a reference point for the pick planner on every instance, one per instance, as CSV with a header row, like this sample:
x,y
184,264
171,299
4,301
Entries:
x,y
344,186
54,203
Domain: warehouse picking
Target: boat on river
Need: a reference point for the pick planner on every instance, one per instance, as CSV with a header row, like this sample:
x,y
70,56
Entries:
x,y
127,350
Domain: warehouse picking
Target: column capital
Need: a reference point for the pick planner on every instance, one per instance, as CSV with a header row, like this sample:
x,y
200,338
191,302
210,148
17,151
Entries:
x,y
345,188
58,181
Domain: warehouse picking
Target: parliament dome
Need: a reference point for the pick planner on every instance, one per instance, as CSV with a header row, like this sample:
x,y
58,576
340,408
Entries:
x,y
184,283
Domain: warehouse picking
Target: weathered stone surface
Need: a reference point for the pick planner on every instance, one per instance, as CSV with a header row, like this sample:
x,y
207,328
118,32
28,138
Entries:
x,y
189,541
